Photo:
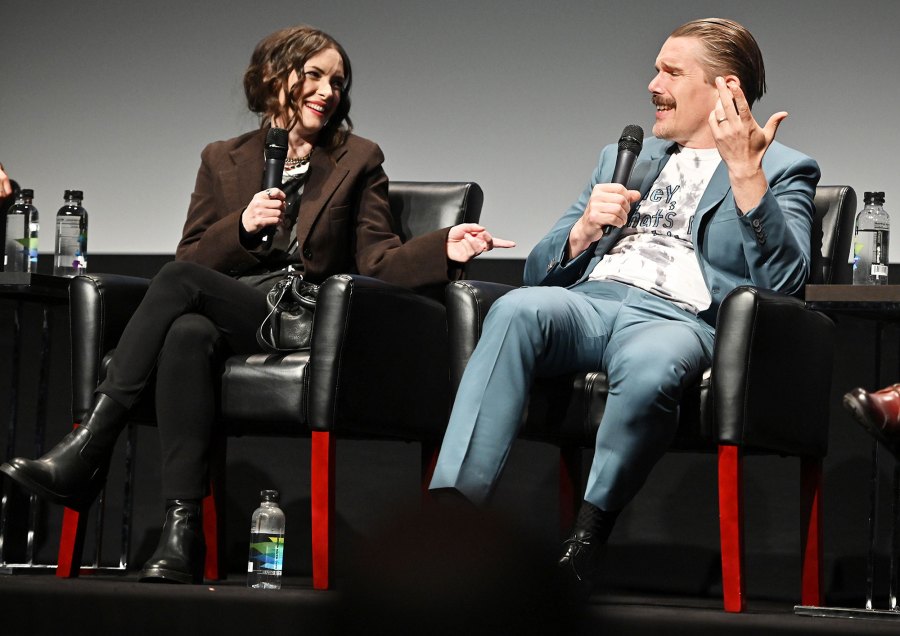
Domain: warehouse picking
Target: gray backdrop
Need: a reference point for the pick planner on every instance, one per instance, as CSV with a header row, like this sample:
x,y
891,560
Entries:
x,y
118,98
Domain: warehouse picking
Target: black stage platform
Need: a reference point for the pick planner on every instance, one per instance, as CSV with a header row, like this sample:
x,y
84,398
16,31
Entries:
x,y
35,604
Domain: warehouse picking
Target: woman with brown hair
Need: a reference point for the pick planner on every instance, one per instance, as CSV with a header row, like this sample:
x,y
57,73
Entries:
x,y
330,216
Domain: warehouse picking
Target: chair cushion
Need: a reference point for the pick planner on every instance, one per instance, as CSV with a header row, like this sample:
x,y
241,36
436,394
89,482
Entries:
x,y
261,394
265,393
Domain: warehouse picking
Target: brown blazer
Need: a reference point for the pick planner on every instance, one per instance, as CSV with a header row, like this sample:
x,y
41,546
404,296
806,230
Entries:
x,y
344,223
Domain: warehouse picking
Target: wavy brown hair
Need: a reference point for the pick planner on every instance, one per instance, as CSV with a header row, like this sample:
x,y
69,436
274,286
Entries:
x,y
730,50
271,64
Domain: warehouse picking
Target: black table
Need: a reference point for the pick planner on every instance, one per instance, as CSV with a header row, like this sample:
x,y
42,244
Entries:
x,y
880,303
47,291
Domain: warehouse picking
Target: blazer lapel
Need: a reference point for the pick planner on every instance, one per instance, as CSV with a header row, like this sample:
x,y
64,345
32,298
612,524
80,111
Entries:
x,y
325,175
718,188
244,177
650,169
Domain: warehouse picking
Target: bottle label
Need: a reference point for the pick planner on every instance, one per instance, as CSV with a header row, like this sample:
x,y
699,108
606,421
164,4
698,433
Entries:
x,y
266,552
32,242
15,228
15,253
70,244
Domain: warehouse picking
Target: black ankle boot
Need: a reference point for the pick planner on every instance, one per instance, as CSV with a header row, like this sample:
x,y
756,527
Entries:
x,y
181,550
74,471
584,548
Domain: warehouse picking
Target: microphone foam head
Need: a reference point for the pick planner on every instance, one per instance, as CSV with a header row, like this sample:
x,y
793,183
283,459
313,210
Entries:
x,y
632,138
276,143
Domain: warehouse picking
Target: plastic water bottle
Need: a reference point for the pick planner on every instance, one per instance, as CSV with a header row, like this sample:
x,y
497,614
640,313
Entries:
x,y
70,250
266,544
871,240
34,229
16,256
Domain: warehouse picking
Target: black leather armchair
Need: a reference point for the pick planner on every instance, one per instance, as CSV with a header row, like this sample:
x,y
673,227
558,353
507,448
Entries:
x,y
766,392
356,380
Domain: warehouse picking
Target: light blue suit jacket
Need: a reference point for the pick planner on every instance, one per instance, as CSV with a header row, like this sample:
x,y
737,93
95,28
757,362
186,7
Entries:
x,y
767,247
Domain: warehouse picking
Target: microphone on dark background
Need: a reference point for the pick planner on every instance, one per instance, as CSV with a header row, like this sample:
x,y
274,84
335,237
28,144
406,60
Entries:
x,y
630,144
275,153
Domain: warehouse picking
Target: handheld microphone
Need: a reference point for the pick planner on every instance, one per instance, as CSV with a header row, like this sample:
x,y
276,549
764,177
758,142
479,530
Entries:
x,y
630,144
275,153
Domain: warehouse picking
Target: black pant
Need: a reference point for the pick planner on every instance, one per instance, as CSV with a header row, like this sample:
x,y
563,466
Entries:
x,y
191,319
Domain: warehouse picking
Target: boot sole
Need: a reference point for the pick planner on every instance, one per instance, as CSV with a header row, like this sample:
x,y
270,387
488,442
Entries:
x,y
165,575
81,504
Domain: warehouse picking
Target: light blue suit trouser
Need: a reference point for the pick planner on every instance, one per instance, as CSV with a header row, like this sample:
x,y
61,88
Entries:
x,y
650,349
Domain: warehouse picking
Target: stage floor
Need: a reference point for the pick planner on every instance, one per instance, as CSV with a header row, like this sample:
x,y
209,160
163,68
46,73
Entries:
x,y
34,604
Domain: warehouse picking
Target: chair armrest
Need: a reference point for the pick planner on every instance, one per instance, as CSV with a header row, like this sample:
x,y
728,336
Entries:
x,y
468,302
378,360
771,373
100,306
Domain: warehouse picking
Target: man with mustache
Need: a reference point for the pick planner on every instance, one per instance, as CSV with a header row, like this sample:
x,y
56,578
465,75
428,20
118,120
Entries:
x,y
714,202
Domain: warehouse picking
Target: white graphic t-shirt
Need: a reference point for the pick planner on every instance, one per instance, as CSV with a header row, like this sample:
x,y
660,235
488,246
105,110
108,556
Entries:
x,y
654,251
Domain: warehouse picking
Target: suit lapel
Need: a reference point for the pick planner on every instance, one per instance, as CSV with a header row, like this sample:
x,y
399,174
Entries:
x,y
325,175
717,189
243,178
650,171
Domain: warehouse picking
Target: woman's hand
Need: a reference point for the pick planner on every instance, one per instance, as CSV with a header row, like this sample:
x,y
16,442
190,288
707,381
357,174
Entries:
x,y
468,240
266,208
5,185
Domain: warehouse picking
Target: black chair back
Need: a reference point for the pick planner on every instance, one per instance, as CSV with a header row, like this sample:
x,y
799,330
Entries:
x,y
832,233
422,207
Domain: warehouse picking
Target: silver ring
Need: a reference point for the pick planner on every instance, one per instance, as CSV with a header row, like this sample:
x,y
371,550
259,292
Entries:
x,y
719,121
269,192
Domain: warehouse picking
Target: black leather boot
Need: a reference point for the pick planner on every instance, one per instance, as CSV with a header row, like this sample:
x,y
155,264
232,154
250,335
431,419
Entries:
x,y
584,548
74,471
181,550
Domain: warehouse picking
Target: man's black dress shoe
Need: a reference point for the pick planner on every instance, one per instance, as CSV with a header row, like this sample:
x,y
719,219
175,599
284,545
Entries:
x,y
581,556
583,550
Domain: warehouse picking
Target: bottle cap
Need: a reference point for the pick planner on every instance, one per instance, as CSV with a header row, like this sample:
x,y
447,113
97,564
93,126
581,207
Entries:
x,y
74,194
873,197
27,193
269,495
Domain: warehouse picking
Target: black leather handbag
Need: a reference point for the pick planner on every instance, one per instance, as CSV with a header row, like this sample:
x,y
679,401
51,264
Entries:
x,y
292,307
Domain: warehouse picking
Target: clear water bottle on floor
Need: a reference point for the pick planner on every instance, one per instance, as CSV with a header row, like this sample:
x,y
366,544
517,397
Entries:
x,y
266,544
871,241
16,256
70,251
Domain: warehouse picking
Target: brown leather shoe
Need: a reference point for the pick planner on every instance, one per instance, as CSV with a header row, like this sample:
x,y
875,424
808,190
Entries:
x,y
879,413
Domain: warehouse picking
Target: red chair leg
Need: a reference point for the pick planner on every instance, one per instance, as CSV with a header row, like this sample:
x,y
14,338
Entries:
x,y
211,569
731,525
811,587
71,540
322,500
71,543
430,452
570,489
215,567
